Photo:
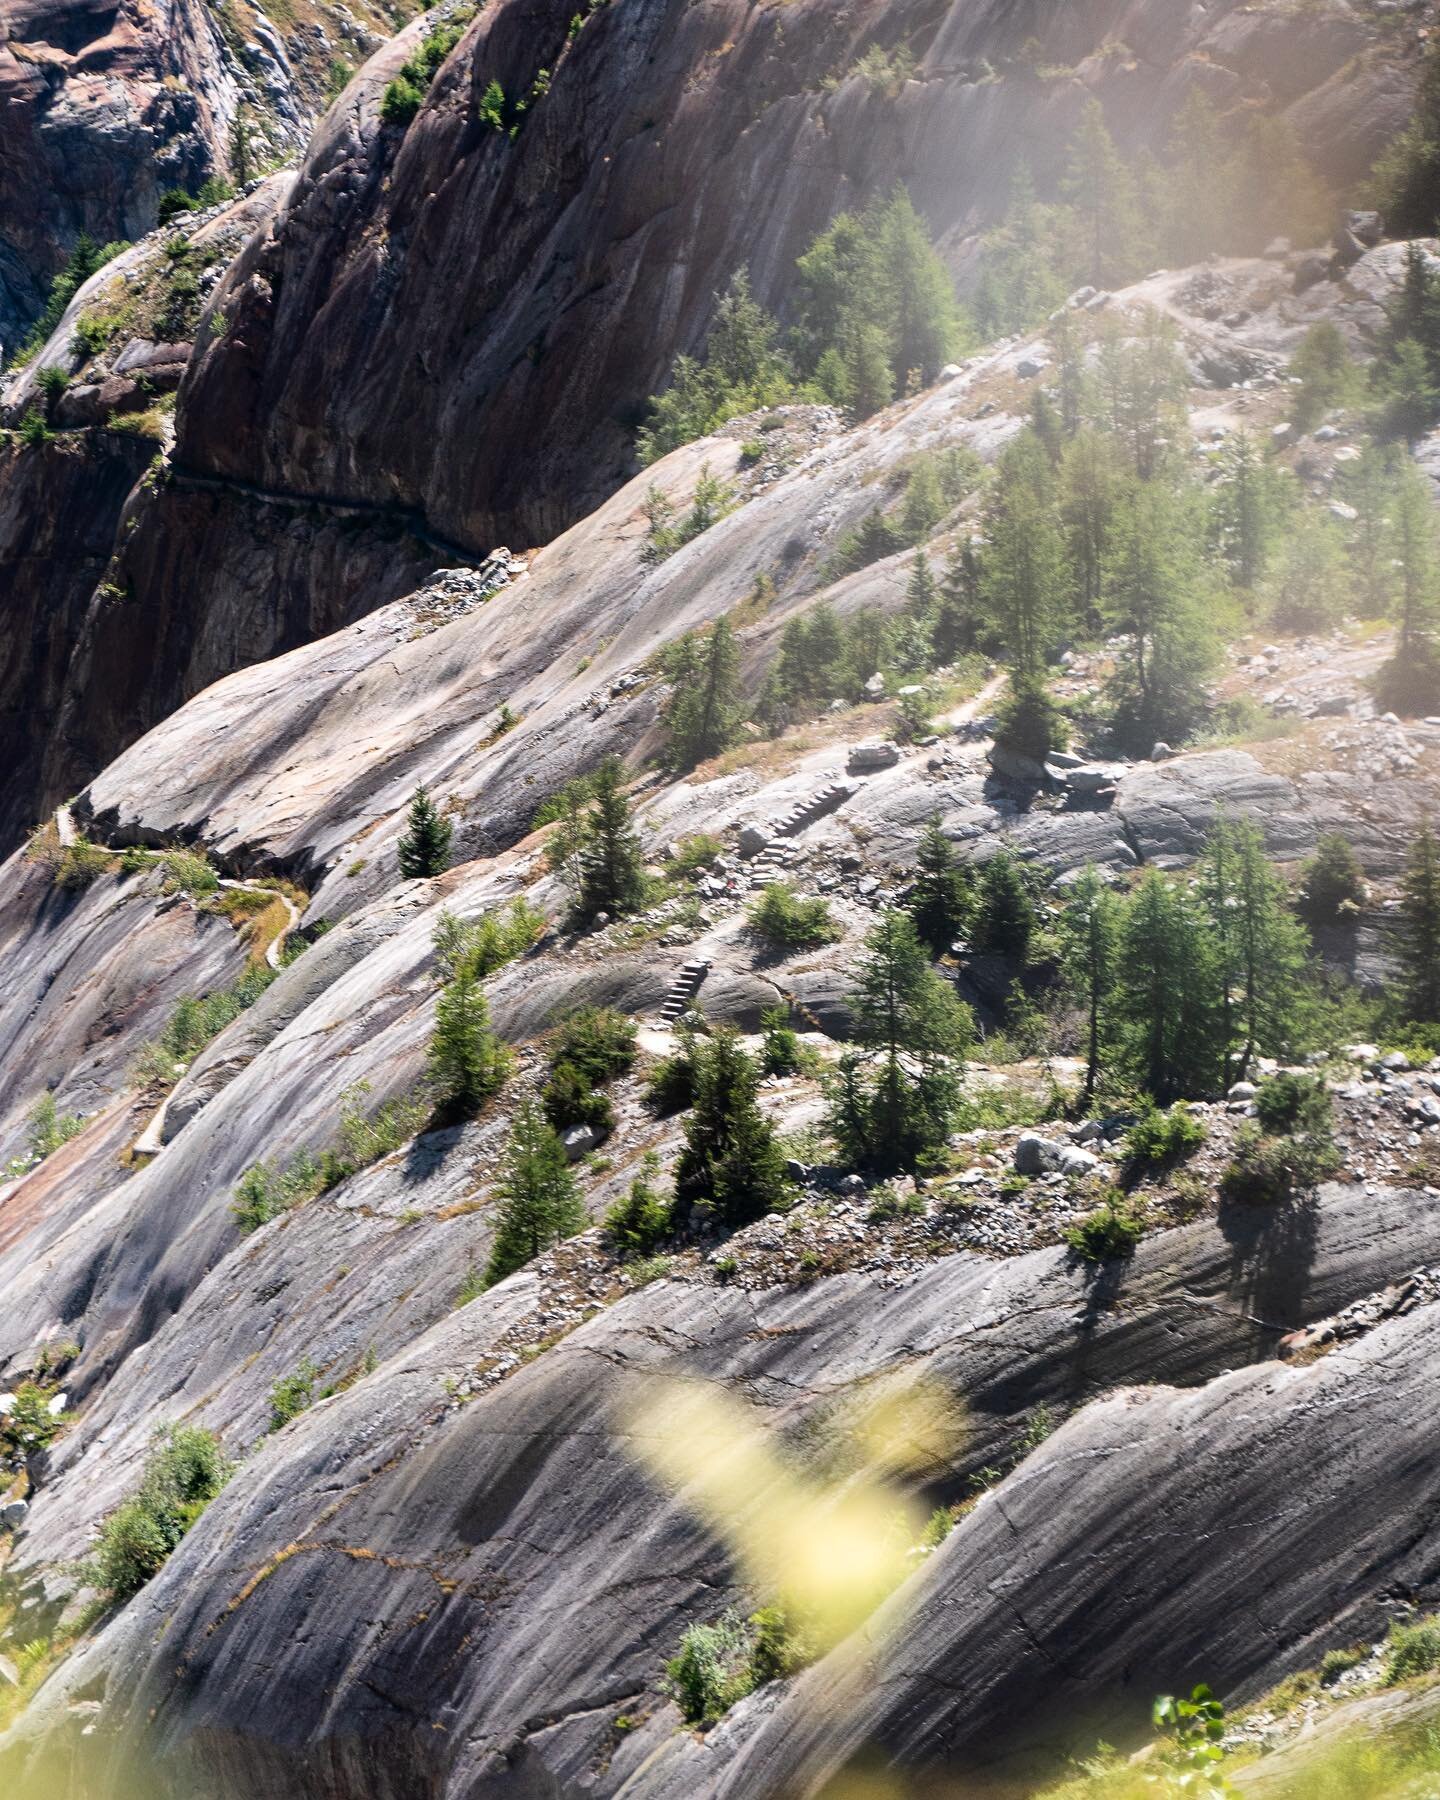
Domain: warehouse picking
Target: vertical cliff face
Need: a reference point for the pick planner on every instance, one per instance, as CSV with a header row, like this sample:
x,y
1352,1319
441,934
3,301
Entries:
x,y
107,104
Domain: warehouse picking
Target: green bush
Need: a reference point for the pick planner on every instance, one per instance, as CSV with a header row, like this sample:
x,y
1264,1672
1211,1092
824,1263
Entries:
x,y
1110,1232
1412,1649
29,1424
1158,1139
50,1128
789,922
400,102
184,1471
692,854
188,871
671,1086
292,1394
81,864
1288,1103
781,1052
712,1669
1029,720
569,1099
196,1020
641,1221
598,1041
1332,883
481,946
1265,1170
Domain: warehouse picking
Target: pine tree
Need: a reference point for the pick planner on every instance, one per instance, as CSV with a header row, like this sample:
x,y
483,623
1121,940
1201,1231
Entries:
x,y
702,714
893,1101
612,867
1091,927
540,1203
1019,284
731,1167
1369,486
424,850
1005,916
958,609
1024,570
924,506
467,1063
1167,992
940,900
1327,373
1332,883
1309,585
1412,395
1111,247
1420,930
1139,389
1250,504
641,1220
922,591
1157,595
1091,483
1199,182
1408,174
1410,681
1260,952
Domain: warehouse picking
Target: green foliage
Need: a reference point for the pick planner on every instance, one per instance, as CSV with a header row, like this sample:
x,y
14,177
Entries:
x,y
1091,927
1250,508
1108,1234
34,432
1158,1139
1195,1727
404,96
292,1394
1265,1169
1412,1649
1407,176
481,946
1287,1103
672,1083
569,1099
1329,378
1332,883
196,1020
600,853
1165,999
29,1424
781,1052
598,1041
711,1671
424,848
941,900
183,1472
84,260
892,1102
494,107
52,382
1024,580
703,711
540,1204
188,872
694,854
1030,721
50,1128
740,370
640,1222
1308,585
1419,943
790,921
711,501
1410,682
876,308
467,1064
732,1168
1006,919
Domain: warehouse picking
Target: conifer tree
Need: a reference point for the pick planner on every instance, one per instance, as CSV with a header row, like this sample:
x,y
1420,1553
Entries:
x,y
731,1166
1091,927
1332,883
1139,389
1005,916
940,900
893,1100
467,1062
1091,483
924,506
1019,284
540,1202
1260,952
1410,681
1412,395
1308,587
612,867
922,591
424,850
1111,248
1420,930
1167,992
1409,171
1024,569
1156,593
1369,486
702,713
958,609
1250,503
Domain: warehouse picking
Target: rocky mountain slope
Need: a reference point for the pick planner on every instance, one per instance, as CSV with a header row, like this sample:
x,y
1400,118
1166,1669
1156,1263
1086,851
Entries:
x,y
339,385
457,1572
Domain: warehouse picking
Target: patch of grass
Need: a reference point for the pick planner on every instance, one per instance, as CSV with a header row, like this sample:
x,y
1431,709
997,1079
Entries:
x,y
1413,1649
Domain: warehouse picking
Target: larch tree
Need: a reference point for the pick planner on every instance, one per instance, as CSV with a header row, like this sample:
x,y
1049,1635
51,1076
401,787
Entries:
x,y
540,1204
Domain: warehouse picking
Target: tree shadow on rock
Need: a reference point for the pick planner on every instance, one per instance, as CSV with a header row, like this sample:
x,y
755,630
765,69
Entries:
x,y
1272,1254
